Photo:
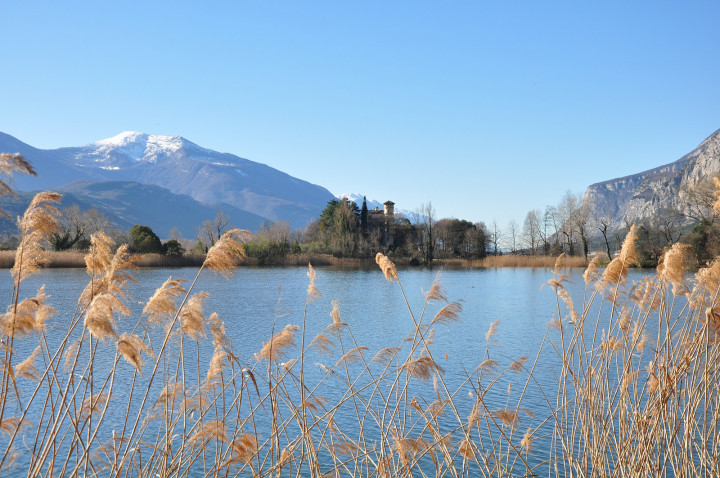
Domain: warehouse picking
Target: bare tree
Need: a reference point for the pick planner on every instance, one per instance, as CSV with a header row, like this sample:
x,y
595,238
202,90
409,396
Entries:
x,y
603,228
566,209
426,216
175,234
532,230
551,228
496,236
76,227
513,231
580,218
211,231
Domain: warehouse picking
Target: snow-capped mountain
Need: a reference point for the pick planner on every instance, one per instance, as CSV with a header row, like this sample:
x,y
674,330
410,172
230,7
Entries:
x,y
182,167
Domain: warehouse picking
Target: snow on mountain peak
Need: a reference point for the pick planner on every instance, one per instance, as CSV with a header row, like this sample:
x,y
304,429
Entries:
x,y
138,146
122,139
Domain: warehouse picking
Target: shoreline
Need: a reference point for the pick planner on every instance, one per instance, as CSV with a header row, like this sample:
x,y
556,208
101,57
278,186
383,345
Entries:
x,y
72,259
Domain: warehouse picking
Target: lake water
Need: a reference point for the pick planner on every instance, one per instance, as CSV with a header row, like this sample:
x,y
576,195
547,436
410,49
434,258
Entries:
x,y
257,300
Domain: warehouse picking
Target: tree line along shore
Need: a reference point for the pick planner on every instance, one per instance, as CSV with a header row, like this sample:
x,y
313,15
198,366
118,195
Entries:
x,y
346,234
76,259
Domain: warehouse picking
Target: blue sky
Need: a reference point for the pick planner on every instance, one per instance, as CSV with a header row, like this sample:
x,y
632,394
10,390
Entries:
x,y
486,109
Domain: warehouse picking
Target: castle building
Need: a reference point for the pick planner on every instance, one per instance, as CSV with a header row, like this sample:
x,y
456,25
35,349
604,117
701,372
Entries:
x,y
383,223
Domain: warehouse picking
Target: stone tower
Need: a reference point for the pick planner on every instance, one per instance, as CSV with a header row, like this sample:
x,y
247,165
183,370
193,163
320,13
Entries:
x,y
389,229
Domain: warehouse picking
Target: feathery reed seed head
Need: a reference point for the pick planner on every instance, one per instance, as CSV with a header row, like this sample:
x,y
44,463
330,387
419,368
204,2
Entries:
x,y
36,226
386,266
131,347
278,344
192,320
161,306
313,293
227,252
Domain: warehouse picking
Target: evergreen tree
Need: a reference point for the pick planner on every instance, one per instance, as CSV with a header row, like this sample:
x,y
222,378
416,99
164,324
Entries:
x,y
364,216
143,239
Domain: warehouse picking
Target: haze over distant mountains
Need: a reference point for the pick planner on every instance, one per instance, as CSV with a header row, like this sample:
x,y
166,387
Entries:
x,y
658,192
247,191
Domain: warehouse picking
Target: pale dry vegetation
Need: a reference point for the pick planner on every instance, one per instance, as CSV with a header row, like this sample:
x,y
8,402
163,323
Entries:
x,y
628,402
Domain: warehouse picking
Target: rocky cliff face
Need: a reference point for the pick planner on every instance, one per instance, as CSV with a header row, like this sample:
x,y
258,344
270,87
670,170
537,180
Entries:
x,y
656,193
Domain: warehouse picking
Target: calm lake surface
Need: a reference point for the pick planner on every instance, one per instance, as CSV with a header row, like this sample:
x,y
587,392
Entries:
x,y
257,299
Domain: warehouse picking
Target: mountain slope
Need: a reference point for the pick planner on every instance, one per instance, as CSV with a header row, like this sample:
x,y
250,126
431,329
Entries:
x,y
126,203
653,193
180,166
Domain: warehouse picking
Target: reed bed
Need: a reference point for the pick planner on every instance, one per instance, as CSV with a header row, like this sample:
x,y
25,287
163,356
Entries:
x,y
626,403
69,259
516,260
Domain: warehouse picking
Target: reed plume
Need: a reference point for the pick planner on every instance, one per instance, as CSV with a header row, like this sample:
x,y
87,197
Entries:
x,y
491,332
37,225
10,425
673,266
217,363
11,164
278,344
224,256
386,266
192,320
312,293
422,367
616,271
131,347
30,315
448,314
26,368
436,292
161,307
100,315
592,273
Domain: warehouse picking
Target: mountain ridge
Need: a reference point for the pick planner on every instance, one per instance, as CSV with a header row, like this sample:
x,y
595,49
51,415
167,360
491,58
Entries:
x,y
180,166
656,192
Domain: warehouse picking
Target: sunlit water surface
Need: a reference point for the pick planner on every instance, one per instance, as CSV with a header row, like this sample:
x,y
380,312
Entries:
x,y
257,301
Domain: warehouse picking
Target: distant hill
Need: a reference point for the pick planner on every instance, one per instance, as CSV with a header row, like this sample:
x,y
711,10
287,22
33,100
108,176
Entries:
x,y
127,203
181,167
653,193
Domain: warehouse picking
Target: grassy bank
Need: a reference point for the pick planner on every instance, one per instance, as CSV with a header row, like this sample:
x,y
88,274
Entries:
x,y
77,259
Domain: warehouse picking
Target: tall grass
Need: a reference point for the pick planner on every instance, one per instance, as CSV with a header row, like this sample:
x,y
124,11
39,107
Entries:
x,y
626,403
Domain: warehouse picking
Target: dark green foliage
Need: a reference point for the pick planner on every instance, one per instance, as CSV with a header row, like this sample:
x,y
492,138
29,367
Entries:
x,y
363,216
66,239
267,252
144,240
173,248
705,241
